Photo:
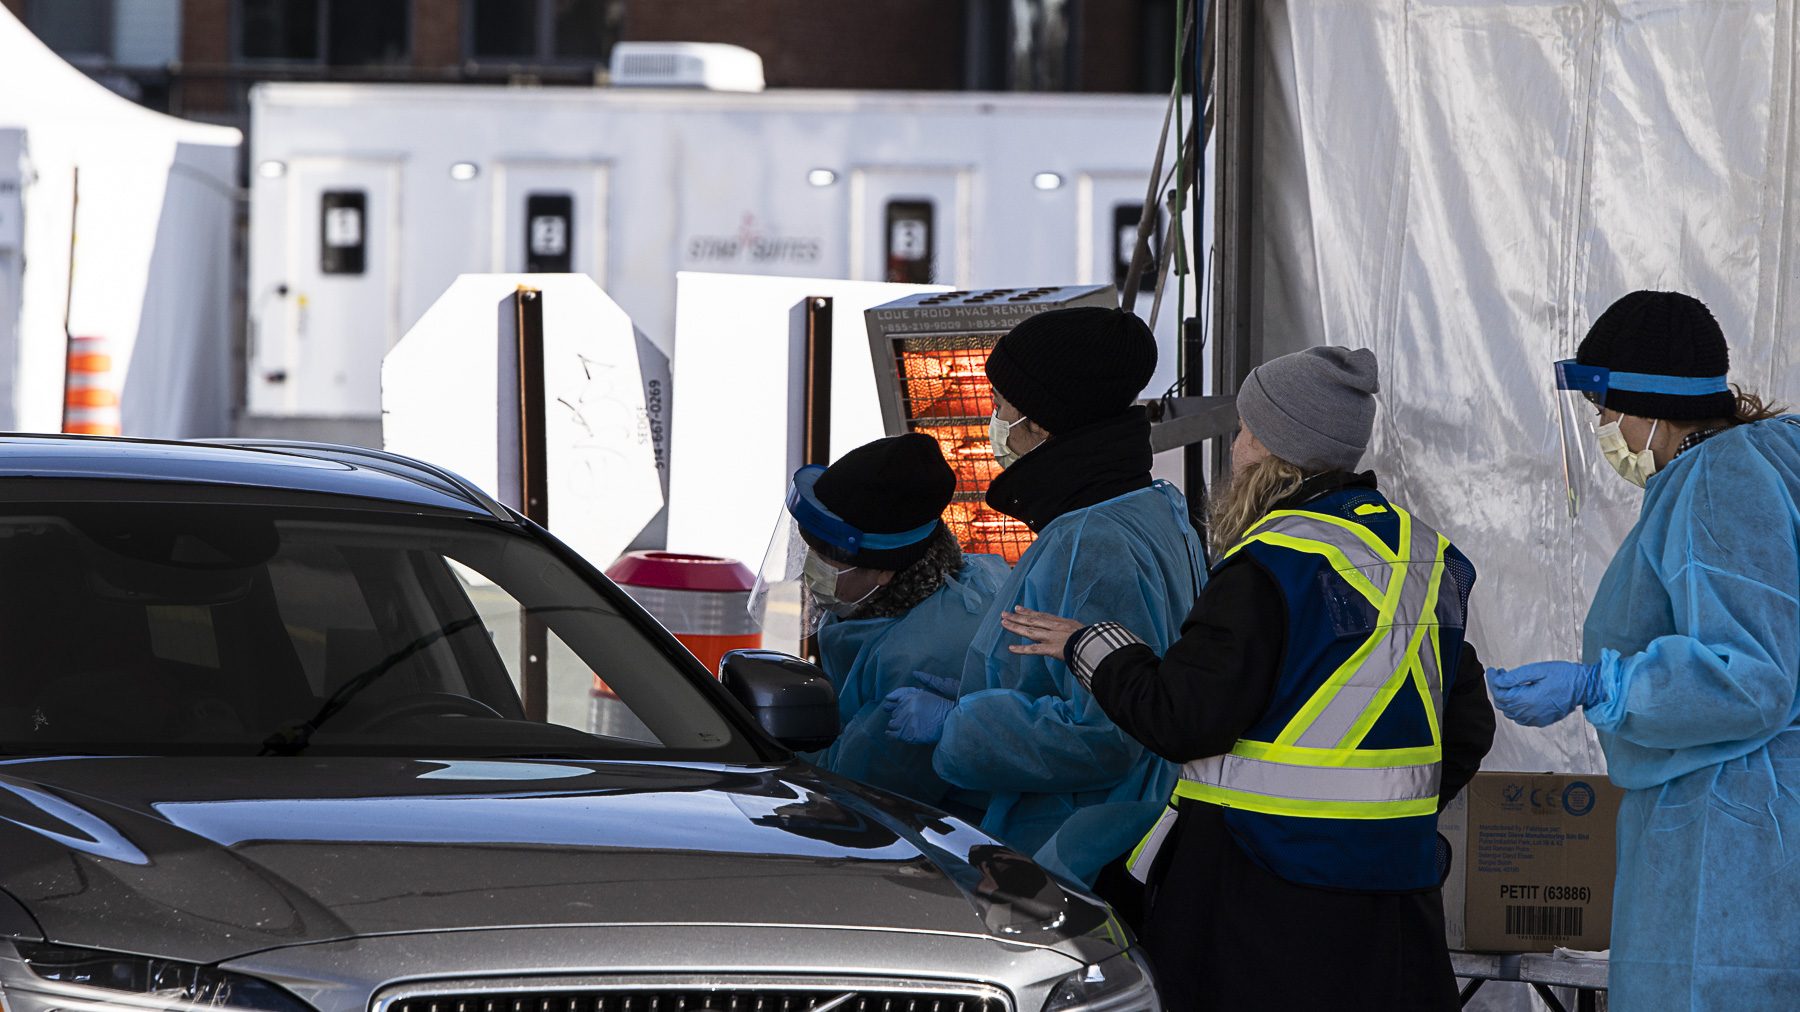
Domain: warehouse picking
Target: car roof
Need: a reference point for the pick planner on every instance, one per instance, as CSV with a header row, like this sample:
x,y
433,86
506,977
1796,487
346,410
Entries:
x,y
320,468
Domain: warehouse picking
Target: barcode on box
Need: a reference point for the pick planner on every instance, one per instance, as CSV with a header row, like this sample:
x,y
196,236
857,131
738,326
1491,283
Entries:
x,y
1544,922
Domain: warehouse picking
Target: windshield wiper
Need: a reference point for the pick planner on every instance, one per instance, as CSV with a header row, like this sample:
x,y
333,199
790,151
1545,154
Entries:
x,y
293,739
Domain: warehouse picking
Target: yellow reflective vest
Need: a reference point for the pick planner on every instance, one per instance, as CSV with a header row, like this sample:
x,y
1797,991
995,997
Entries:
x,y
1310,757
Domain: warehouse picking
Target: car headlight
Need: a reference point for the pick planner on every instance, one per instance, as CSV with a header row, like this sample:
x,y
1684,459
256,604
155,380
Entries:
x,y
1119,984
59,978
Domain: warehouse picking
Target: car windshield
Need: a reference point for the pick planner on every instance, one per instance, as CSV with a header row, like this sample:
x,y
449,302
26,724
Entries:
x,y
174,628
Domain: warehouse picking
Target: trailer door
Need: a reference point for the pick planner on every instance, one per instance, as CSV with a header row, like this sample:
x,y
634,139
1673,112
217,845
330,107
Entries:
x,y
320,353
910,225
1110,205
553,218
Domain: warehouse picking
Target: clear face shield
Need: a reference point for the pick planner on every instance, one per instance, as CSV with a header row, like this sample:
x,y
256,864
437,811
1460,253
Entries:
x,y
1580,390
797,588
798,584
778,600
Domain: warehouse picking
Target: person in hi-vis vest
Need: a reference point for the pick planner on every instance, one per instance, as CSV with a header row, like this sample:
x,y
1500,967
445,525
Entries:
x,y
1324,705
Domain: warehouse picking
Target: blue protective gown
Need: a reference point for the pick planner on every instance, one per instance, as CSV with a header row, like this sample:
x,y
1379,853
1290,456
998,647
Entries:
x,y
1054,776
1696,628
870,657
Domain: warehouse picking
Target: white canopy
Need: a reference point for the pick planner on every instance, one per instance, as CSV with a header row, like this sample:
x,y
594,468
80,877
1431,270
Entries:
x,y
1463,186
142,205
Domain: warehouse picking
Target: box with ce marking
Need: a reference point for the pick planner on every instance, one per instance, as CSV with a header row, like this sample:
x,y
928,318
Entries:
x,y
1531,862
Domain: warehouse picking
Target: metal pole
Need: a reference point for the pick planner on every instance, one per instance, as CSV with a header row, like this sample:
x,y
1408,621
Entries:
x,y
1193,456
816,425
1234,352
1193,329
1140,254
69,288
816,404
534,492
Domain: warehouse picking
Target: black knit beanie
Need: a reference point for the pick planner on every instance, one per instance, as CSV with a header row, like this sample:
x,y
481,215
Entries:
x,y
890,486
1664,334
1073,367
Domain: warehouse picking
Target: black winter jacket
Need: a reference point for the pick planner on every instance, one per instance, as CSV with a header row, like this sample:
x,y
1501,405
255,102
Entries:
x,y
1221,930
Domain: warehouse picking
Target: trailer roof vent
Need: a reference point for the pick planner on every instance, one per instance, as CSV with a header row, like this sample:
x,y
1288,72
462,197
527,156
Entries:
x,y
707,65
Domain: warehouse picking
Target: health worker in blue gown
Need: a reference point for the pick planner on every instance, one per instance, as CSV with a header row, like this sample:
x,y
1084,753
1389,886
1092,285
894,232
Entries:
x,y
1690,664
892,597
1054,777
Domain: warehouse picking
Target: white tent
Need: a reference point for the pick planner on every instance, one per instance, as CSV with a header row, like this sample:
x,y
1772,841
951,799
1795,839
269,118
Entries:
x,y
1463,186
126,237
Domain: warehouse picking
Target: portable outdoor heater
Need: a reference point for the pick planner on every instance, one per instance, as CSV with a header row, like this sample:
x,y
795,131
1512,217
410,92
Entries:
x,y
929,352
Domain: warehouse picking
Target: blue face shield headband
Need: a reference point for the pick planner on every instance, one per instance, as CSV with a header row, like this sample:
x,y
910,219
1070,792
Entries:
x,y
1577,419
1593,381
835,531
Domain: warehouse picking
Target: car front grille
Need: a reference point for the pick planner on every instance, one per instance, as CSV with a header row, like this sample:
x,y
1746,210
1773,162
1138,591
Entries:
x,y
721,996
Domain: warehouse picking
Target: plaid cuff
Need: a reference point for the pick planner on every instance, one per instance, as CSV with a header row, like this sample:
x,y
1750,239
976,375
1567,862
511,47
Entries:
x,y
1094,644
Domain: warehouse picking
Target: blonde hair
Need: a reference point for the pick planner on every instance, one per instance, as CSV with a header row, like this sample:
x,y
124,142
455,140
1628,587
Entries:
x,y
1251,495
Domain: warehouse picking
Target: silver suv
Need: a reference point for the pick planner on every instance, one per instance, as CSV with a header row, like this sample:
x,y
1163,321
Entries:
x,y
262,748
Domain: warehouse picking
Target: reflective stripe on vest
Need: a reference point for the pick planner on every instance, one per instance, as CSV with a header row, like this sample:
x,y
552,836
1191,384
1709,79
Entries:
x,y
1336,792
1315,767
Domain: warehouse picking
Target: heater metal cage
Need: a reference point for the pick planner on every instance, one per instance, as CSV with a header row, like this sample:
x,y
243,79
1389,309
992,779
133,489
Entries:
x,y
930,352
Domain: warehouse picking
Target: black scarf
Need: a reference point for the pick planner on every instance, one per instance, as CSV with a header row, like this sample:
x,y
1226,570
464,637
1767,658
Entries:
x,y
1081,468
912,585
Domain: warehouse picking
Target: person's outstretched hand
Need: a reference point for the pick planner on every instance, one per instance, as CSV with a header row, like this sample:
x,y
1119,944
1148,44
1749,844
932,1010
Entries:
x,y
1049,634
1538,695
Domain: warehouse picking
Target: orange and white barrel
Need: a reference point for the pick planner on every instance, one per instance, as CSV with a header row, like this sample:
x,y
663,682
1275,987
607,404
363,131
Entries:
x,y
90,389
704,600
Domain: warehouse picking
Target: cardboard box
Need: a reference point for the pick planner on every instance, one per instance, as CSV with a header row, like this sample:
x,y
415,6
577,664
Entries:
x,y
1532,861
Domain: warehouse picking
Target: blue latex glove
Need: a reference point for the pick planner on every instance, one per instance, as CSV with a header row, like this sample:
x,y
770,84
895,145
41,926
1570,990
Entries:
x,y
916,716
1538,695
948,686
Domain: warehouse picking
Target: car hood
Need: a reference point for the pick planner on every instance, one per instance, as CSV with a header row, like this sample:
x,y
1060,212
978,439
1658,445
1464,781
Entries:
x,y
204,859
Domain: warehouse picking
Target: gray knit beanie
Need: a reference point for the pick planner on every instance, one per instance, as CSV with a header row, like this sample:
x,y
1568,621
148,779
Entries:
x,y
1314,408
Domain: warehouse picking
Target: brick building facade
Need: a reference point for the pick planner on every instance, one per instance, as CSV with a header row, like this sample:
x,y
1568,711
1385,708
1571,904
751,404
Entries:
x,y
198,58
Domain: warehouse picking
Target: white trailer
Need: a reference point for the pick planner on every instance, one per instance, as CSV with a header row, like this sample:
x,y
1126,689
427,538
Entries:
x,y
368,200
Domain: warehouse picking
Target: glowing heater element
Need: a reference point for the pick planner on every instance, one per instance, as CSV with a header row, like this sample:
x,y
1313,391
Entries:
x,y
945,389
930,354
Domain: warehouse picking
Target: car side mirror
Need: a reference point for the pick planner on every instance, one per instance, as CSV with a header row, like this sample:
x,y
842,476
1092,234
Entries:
x,y
792,700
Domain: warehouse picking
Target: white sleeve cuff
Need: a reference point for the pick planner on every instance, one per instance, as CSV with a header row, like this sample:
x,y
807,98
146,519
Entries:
x,y
1093,645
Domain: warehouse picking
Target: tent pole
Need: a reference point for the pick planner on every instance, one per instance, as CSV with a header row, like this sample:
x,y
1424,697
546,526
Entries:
x,y
1235,351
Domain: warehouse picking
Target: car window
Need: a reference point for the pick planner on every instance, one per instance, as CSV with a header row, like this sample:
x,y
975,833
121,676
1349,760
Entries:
x,y
183,633
577,696
174,628
321,607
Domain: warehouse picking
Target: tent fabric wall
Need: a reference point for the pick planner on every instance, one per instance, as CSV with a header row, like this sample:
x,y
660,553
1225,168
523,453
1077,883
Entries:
x,y
180,377
127,237
1462,187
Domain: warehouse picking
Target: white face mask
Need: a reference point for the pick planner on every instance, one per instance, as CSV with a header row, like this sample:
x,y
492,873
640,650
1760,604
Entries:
x,y
1635,466
821,579
999,431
